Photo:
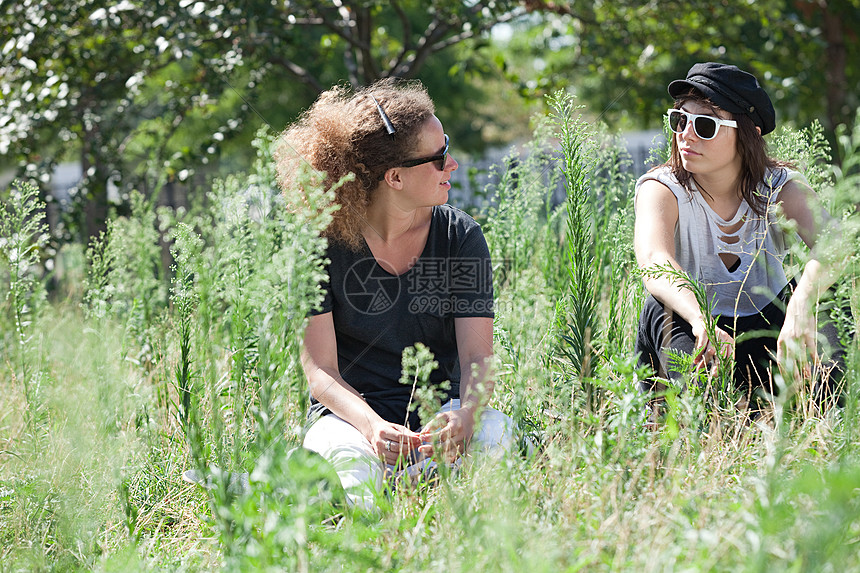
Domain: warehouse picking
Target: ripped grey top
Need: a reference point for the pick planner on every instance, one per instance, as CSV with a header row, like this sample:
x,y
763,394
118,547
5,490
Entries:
x,y
746,287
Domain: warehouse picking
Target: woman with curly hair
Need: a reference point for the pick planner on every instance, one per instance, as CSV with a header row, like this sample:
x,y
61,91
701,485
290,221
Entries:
x,y
712,212
404,268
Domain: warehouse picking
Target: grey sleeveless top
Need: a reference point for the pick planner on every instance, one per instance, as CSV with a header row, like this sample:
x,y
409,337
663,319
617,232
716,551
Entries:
x,y
759,243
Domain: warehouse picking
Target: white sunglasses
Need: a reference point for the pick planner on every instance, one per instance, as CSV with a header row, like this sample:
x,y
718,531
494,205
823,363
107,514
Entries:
x,y
705,126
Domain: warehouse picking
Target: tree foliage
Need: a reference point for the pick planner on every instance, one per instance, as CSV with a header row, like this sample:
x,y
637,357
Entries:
x,y
142,92
155,94
620,55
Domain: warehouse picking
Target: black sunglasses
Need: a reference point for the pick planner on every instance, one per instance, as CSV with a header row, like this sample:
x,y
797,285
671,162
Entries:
x,y
442,158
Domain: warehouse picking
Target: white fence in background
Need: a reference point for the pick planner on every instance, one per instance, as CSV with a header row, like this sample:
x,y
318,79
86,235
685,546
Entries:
x,y
466,188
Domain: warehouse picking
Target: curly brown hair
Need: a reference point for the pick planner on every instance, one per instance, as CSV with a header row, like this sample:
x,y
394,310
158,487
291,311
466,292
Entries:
x,y
751,147
342,133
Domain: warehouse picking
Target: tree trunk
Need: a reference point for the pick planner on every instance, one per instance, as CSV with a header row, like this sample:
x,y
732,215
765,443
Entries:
x,y
835,62
94,185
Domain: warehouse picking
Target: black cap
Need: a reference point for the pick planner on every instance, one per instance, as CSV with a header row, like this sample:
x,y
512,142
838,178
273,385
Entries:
x,y
732,89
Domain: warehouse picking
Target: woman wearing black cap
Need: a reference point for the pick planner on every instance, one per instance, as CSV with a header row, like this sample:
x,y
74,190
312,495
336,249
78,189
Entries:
x,y
710,211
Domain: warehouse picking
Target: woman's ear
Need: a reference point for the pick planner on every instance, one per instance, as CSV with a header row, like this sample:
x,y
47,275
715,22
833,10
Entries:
x,y
392,178
758,129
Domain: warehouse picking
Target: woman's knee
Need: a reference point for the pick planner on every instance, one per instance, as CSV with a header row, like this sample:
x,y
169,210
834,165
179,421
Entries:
x,y
495,433
359,469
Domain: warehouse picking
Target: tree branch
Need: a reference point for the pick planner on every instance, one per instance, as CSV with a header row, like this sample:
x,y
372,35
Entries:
x,y
441,45
546,6
364,26
301,73
434,41
405,24
340,27
406,66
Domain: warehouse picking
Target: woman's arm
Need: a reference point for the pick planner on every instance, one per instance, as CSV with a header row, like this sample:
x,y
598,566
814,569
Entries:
x,y
319,360
452,430
654,245
800,205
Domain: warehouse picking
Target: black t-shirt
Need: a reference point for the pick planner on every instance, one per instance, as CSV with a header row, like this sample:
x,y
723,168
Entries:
x,y
376,314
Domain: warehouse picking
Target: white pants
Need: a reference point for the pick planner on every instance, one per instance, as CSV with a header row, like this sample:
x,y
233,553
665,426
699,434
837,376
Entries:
x,y
361,471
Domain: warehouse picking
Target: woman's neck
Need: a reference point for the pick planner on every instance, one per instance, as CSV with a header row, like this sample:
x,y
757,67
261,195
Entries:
x,y
718,187
388,223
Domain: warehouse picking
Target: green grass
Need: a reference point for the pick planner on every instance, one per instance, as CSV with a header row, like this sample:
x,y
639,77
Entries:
x,y
135,376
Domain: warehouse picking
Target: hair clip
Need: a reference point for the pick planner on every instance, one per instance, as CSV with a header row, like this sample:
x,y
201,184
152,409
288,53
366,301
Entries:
x,y
389,127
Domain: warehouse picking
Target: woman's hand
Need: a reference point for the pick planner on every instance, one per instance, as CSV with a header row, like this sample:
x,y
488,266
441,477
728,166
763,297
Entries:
x,y
711,351
393,441
447,434
796,341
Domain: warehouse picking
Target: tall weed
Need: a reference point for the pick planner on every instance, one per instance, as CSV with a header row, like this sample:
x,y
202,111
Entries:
x,y
577,315
125,280
186,250
23,234
612,208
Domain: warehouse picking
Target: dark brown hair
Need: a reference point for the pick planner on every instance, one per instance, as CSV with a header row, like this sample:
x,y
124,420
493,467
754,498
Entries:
x,y
343,133
751,147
